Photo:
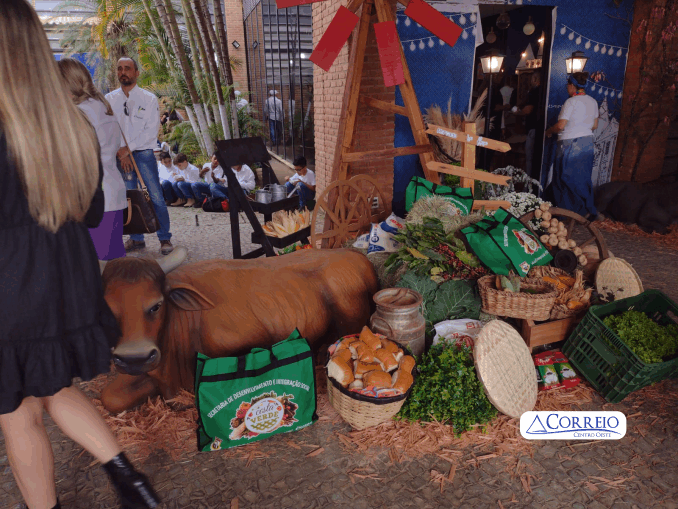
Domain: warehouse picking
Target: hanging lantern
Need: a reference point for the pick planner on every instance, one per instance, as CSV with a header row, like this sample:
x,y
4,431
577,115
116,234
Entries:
x,y
528,29
576,62
492,62
491,37
504,21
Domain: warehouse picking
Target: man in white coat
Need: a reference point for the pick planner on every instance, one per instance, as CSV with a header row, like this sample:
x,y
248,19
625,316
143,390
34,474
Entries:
x,y
138,114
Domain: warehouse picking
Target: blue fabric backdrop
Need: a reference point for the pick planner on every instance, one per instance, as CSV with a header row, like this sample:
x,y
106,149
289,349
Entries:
x,y
81,57
440,72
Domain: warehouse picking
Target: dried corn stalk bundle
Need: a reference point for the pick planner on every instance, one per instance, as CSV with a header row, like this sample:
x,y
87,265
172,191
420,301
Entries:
x,y
286,223
439,207
448,150
573,296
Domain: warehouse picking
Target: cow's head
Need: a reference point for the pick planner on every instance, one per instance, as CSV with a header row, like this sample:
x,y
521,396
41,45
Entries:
x,y
137,292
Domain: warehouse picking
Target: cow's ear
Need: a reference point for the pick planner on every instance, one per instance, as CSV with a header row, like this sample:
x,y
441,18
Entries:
x,y
188,298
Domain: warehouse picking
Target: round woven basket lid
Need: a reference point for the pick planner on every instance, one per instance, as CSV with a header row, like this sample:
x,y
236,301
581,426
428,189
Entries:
x,y
617,276
505,368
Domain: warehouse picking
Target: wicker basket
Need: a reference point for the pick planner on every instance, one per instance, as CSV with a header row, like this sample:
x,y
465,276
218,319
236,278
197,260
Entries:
x,y
559,311
362,411
527,306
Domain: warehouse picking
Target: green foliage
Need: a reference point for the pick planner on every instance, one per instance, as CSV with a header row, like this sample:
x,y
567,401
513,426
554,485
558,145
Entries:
x,y
183,134
454,181
650,341
447,389
510,283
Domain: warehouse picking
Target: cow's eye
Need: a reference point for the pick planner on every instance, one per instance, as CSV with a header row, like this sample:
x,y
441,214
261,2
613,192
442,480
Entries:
x,y
155,308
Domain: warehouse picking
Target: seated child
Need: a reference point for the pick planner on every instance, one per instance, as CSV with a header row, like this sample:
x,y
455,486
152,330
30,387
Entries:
x,y
246,179
167,173
306,179
188,175
201,190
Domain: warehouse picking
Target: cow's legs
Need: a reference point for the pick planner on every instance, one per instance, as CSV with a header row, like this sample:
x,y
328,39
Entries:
x,y
128,391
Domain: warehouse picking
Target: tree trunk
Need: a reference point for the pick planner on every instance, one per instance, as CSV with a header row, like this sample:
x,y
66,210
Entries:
x,y
166,13
222,42
208,115
191,118
158,34
198,54
204,34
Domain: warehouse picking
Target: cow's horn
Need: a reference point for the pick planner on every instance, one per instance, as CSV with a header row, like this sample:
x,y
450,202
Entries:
x,y
102,265
173,260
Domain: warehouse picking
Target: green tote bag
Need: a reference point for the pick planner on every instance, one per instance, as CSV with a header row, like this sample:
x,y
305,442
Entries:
x,y
503,244
245,399
460,197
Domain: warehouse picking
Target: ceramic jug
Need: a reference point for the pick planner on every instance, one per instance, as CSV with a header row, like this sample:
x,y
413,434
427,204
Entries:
x,y
399,317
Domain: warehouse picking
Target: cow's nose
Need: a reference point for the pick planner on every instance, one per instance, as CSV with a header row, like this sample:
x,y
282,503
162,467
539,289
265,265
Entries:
x,y
136,360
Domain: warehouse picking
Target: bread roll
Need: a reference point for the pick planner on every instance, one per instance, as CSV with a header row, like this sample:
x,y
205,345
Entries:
x,y
389,346
368,337
407,364
365,367
343,354
399,355
387,360
355,347
365,353
356,384
377,379
401,380
339,369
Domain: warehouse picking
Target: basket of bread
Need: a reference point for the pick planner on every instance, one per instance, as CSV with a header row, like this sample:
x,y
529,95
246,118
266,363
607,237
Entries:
x,y
368,378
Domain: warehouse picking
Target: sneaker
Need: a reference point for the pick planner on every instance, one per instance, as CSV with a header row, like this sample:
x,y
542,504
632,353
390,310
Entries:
x,y
166,247
134,245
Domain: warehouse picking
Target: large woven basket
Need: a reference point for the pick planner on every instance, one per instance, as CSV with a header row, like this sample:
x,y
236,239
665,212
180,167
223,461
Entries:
x,y
362,411
559,311
527,306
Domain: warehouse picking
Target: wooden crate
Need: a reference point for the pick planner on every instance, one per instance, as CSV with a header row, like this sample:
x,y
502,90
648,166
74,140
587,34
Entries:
x,y
542,333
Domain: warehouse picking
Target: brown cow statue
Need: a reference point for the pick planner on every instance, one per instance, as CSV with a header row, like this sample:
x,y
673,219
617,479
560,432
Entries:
x,y
224,308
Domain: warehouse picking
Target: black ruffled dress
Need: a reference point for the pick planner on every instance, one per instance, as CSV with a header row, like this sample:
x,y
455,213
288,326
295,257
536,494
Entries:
x,y
54,322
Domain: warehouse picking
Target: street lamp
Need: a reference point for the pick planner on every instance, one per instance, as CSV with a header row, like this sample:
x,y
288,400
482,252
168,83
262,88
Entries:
x,y
576,62
491,63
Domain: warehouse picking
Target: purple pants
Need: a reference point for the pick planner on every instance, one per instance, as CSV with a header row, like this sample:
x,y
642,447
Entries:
x,y
107,237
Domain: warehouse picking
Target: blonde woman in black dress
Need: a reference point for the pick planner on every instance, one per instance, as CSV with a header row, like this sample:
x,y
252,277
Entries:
x,y
55,323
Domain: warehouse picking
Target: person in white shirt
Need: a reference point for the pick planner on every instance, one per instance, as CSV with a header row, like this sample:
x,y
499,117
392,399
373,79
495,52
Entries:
x,y
138,114
188,175
572,186
208,173
273,111
246,179
242,102
304,179
107,237
167,173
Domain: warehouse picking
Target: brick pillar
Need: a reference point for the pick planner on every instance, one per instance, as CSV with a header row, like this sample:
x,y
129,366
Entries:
x,y
375,129
235,31
649,91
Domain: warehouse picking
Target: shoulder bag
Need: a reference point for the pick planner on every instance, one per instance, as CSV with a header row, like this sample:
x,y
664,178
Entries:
x,y
461,198
139,217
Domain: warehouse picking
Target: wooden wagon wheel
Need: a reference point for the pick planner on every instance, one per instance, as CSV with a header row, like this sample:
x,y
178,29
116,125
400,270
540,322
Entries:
x,y
372,190
573,220
349,217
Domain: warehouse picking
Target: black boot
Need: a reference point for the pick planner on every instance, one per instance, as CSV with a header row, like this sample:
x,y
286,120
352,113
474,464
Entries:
x,y
133,487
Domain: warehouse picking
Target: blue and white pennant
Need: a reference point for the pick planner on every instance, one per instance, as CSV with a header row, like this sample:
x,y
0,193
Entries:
x,y
603,48
423,42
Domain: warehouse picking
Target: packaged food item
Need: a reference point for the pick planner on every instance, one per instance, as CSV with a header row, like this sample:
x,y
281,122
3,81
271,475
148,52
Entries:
x,y
461,332
554,371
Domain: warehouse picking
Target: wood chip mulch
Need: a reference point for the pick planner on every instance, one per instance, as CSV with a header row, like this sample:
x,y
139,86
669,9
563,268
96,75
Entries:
x,y
669,240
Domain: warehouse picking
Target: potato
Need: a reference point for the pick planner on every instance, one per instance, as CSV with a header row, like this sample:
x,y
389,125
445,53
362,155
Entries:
x,y
562,244
538,213
554,222
571,244
544,206
577,251
582,260
546,216
562,234
553,230
553,242
544,239
553,236
561,225
545,224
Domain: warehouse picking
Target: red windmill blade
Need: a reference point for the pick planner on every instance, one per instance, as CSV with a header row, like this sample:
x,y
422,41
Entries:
x,y
346,19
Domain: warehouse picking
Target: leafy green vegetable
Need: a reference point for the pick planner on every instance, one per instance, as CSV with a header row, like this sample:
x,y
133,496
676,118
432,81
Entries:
x,y
650,341
447,389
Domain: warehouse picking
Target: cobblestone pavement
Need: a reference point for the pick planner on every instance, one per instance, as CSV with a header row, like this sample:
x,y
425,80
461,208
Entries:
x,y
636,472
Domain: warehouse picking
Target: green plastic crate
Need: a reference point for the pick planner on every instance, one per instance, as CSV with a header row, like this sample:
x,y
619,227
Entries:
x,y
605,360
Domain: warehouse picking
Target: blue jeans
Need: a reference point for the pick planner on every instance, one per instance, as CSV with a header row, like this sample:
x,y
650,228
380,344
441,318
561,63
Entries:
x,y
221,192
148,167
305,194
572,187
201,190
183,190
167,191
275,130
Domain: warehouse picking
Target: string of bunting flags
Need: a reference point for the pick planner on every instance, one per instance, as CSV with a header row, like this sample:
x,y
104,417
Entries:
x,y
603,48
608,91
423,42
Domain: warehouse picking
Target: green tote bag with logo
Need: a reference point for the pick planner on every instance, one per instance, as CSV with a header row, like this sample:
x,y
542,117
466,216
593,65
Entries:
x,y
245,399
460,197
503,244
